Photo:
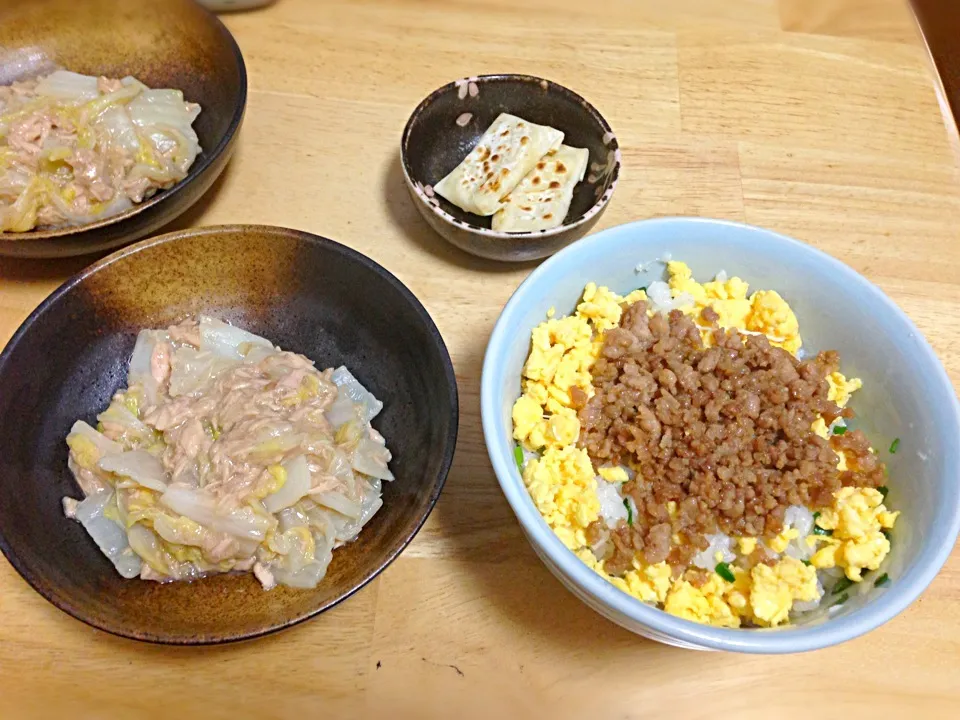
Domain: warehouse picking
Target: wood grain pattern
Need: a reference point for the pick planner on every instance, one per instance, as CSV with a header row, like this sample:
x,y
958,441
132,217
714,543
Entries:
x,y
816,118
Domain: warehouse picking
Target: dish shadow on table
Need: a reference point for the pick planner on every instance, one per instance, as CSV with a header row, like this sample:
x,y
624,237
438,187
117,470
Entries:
x,y
39,270
474,518
405,215
127,649
193,217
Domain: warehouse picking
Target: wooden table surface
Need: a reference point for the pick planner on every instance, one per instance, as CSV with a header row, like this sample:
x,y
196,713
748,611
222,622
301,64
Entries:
x,y
816,118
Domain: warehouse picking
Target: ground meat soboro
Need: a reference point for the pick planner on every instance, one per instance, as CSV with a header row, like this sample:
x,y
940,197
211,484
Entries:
x,y
724,432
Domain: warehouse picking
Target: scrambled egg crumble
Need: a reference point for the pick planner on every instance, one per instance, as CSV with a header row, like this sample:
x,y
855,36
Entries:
x,y
647,583
613,474
564,489
561,353
600,306
857,521
775,589
763,595
841,389
780,542
563,483
763,312
703,605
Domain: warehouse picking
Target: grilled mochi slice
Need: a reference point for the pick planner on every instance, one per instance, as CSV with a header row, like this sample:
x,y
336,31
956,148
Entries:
x,y
542,199
507,151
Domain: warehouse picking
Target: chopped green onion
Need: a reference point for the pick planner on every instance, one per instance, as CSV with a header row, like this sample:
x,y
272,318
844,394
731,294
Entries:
x,y
724,571
842,599
839,429
644,288
842,584
894,445
518,456
626,504
882,580
886,534
807,563
883,489
817,530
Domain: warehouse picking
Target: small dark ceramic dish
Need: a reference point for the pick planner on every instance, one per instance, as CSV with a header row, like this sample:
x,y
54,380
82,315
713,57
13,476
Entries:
x,y
447,125
172,44
303,292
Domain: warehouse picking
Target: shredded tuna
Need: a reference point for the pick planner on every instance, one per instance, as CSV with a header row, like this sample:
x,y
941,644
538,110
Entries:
x,y
74,149
227,454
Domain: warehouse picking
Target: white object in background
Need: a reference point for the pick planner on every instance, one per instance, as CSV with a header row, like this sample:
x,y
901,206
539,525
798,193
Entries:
x,y
226,5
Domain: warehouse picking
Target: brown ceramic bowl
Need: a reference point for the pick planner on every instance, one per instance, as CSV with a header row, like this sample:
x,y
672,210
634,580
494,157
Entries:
x,y
305,293
172,44
447,125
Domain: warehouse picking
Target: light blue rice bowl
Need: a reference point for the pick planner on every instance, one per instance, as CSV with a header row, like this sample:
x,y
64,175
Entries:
x,y
906,395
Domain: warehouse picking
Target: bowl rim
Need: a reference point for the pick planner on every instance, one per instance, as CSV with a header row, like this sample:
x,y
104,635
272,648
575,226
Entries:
x,y
203,161
893,601
301,235
426,196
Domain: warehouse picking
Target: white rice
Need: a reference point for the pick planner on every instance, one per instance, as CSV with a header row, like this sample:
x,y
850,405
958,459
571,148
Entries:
x,y
661,299
612,509
644,266
800,519
719,542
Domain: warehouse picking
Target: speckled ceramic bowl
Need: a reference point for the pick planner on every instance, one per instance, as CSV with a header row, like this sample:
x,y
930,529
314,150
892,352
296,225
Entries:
x,y
304,293
172,44
906,393
447,125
